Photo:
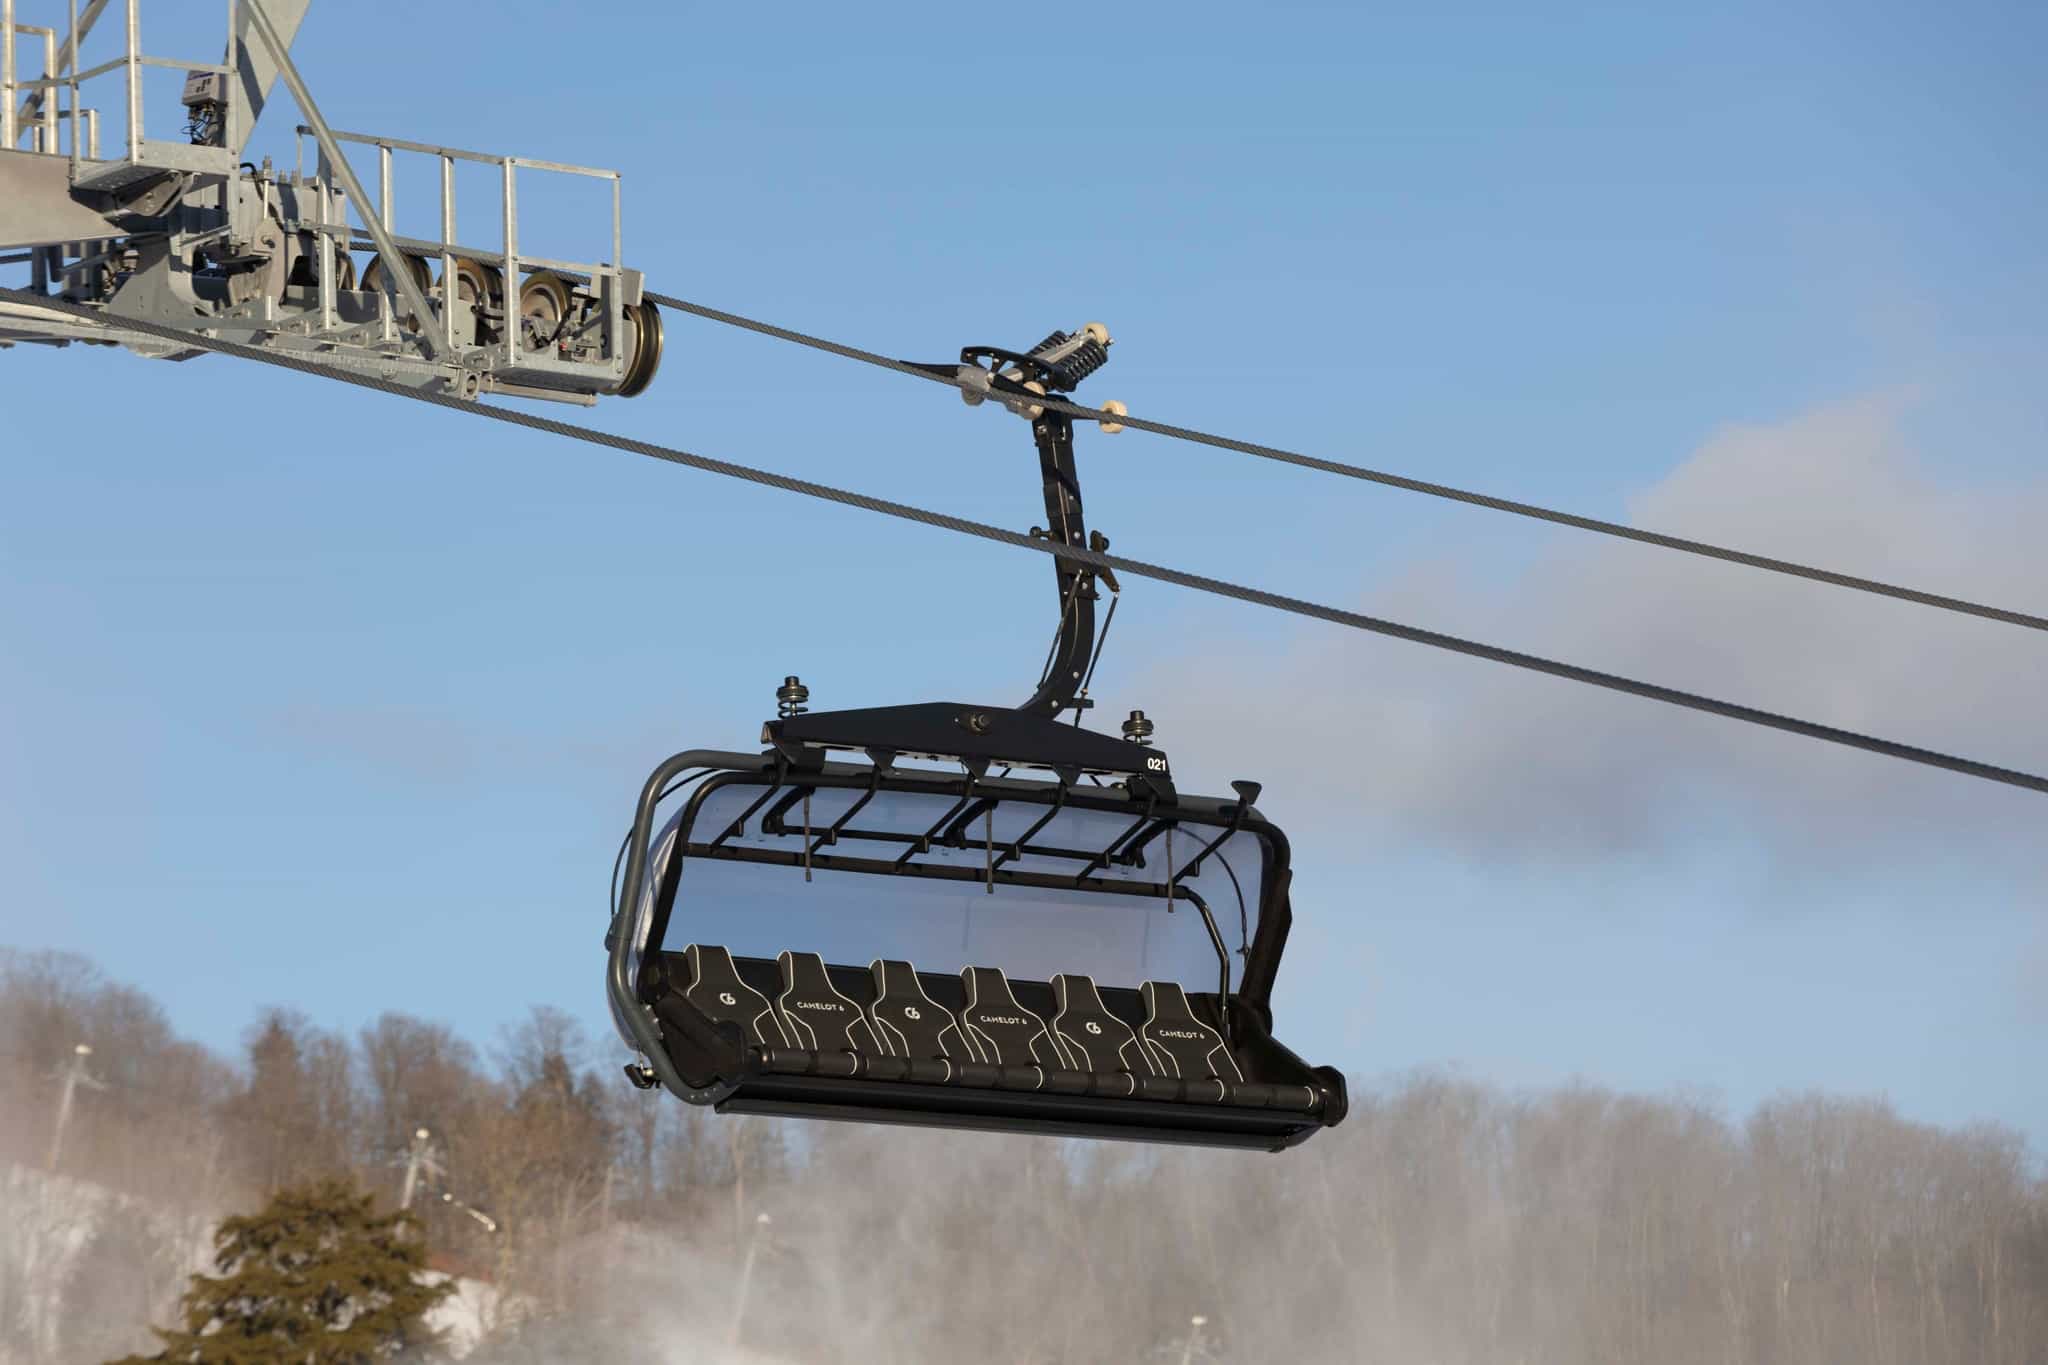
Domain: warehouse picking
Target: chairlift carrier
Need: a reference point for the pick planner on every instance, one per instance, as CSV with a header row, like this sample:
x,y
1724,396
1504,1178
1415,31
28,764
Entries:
x,y
1112,942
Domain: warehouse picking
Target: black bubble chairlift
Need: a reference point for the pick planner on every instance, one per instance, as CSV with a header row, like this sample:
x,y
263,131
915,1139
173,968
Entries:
x,y
967,916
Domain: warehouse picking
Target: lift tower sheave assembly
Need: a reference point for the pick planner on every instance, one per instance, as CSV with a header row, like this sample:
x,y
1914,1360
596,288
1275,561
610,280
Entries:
x,y
186,233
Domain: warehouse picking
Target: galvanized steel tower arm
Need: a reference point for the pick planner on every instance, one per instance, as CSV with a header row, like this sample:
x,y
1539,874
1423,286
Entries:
x,y
330,147
256,68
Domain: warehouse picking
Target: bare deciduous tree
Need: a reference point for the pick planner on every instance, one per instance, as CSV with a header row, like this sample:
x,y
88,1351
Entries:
x,y
1445,1221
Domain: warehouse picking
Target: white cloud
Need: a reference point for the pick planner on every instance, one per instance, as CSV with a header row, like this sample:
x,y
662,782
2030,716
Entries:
x,y
1478,756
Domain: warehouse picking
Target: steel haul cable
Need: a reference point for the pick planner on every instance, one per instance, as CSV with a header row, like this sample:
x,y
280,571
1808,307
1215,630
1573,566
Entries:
x,y
1201,583
1401,481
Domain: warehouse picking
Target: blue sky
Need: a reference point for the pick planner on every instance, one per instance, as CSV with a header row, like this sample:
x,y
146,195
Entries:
x,y
314,698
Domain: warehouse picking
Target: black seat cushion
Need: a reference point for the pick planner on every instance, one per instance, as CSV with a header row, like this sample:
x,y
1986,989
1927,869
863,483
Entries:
x,y
1179,1043
716,990
1000,1031
1094,1039
814,1013
907,1022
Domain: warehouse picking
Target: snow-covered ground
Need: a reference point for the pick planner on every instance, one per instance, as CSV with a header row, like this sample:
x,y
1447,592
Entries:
x,y
83,1268
466,1315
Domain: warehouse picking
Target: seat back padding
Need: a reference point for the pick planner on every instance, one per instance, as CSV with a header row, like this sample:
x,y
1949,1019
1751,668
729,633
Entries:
x,y
716,990
999,1030
909,1023
814,1014
1179,1043
1094,1039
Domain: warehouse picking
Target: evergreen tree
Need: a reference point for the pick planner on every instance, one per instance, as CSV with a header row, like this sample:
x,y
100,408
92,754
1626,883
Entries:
x,y
316,1278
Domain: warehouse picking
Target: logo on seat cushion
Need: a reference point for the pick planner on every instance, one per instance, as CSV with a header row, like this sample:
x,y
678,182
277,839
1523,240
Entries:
x,y
1093,1027
727,998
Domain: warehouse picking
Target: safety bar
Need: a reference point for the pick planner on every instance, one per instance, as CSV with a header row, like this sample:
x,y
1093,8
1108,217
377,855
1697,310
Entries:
x,y
968,806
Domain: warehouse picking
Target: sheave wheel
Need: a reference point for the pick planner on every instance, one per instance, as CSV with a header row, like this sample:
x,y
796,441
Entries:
x,y
643,348
477,287
373,282
543,308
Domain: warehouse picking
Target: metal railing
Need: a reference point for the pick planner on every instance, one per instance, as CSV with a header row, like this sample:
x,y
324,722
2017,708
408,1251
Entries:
x,y
604,276
63,73
34,105
45,124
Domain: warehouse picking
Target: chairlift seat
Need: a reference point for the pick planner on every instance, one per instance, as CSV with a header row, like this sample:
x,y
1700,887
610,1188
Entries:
x,y
821,853
1107,1060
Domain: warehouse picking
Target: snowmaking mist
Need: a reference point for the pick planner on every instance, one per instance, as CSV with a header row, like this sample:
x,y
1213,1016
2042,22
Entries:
x,y
1445,1221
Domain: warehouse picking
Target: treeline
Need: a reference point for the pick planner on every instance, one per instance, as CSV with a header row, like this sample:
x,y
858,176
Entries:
x,y
1444,1222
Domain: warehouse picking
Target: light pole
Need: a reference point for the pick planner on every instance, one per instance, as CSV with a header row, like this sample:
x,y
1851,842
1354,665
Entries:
x,y
422,1159
418,1157
1195,1326
73,1076
739,1304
